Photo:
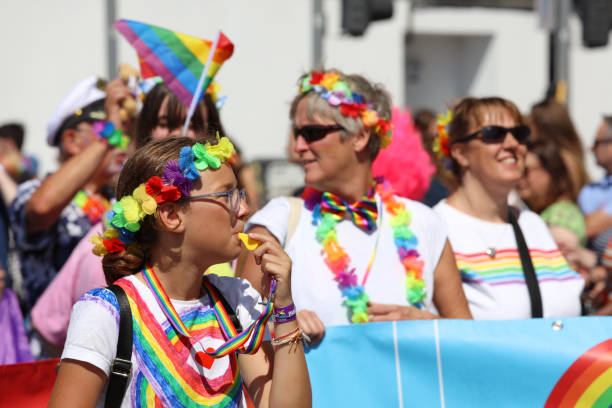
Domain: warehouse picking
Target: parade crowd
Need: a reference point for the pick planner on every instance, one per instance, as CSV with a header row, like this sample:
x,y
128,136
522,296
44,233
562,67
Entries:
x,y
509,226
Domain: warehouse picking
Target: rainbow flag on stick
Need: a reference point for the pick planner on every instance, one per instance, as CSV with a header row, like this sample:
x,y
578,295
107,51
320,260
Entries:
x,y
178,58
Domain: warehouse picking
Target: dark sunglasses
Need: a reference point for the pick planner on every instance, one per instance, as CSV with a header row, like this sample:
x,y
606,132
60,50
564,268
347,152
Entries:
x,y
497,134
312,133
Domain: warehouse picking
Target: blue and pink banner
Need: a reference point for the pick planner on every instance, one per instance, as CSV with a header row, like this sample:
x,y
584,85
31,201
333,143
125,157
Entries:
x,y
461,363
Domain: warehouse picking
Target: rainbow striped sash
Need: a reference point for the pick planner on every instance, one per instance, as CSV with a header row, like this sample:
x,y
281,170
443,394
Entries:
x,y
236,342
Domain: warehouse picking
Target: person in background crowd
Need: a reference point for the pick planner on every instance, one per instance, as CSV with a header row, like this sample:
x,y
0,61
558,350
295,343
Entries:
x,y
347,266
50,216
192,221
14,347
487,141
547,189
19,166
602,300
595,199
425,122
162,116
550,121
15,168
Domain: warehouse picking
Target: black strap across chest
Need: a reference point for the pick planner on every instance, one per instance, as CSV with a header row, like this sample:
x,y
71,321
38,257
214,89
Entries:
x,y
122,364
530,276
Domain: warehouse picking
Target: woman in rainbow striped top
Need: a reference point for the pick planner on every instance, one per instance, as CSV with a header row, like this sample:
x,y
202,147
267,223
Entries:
x,y
179,212
485,143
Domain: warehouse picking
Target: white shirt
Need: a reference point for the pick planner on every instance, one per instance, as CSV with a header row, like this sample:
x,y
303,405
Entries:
x,y
312,283
495,286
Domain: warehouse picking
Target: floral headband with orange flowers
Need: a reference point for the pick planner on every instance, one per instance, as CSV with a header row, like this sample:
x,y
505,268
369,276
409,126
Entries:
x,y
441,145
125,218
337,93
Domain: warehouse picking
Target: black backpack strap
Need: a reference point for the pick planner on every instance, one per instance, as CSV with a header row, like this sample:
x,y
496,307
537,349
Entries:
x,y
122,364
230,310
530,276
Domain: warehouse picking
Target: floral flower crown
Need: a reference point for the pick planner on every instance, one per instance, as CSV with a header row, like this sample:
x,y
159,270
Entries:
x,y
337,93
441,145
125,218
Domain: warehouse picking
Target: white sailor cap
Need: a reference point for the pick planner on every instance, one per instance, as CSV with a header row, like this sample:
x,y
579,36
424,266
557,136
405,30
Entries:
x,y
84,102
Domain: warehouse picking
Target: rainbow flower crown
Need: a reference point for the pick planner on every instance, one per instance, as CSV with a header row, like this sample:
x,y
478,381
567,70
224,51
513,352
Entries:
x,y
441,145
125,218
337,93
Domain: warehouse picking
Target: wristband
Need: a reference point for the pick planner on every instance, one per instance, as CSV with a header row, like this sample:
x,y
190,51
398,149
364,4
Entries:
x,y
293,337
106,131
284,314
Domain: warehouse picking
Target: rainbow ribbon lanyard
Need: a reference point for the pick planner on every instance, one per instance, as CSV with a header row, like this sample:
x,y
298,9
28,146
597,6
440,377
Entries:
x,y
236,341
369,268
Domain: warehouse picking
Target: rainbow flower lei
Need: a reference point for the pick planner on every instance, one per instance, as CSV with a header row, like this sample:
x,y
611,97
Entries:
x,y
441,145
127,214
337,93
336,258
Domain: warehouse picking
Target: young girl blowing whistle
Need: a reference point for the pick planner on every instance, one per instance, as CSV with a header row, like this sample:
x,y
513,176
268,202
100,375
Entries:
x,y
179,212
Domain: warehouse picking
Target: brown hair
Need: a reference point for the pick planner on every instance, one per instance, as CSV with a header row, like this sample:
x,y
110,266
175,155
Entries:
x,y
148,161
374,94
550,158
551,122
205,119
468,114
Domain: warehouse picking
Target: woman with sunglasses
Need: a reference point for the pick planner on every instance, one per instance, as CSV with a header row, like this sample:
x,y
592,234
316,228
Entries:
x,y
360,253
486,139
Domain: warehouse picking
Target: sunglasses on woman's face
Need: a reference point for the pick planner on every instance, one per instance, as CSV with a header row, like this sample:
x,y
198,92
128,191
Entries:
x,y
497,134
312,133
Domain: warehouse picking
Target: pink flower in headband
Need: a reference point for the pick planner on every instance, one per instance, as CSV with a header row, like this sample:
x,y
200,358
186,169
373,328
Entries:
x,y
174,176
335,98
162,193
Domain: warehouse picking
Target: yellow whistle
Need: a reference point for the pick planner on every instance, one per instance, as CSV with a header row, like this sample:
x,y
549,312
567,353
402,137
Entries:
x,y
249,243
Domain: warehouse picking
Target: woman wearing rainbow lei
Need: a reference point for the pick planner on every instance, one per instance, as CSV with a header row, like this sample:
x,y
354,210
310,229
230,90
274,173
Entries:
x,y
179,212
360,253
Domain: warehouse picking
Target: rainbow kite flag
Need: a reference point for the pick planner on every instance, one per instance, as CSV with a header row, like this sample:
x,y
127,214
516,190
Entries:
x,y
178,58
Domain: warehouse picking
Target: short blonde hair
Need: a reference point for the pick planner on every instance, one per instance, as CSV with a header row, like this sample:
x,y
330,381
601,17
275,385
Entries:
x,y
374,94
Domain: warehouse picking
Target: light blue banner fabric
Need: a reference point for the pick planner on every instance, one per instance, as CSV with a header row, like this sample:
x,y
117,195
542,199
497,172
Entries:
x,y
453,363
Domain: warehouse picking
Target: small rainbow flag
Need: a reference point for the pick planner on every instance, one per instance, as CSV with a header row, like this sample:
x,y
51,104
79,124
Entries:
x,y
178,58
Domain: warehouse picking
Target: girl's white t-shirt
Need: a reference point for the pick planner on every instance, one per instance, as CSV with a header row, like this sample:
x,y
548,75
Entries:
x,y
495,286
94,328
312,284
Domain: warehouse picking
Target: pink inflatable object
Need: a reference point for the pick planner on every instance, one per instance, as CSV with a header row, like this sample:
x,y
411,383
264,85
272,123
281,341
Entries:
x,y
405,163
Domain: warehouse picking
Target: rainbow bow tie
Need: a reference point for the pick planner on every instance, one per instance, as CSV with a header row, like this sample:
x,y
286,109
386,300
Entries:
x,y
364,213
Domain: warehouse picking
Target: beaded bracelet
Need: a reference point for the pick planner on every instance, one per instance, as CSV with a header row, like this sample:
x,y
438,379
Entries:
x,y
284,314
113,136
293,337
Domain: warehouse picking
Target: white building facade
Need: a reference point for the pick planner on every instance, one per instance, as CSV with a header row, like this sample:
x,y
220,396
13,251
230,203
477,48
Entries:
x,y
424,57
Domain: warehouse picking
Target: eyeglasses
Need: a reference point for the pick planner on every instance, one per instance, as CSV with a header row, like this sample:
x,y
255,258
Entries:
x,y
600,142
312,133
497,134
234,196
